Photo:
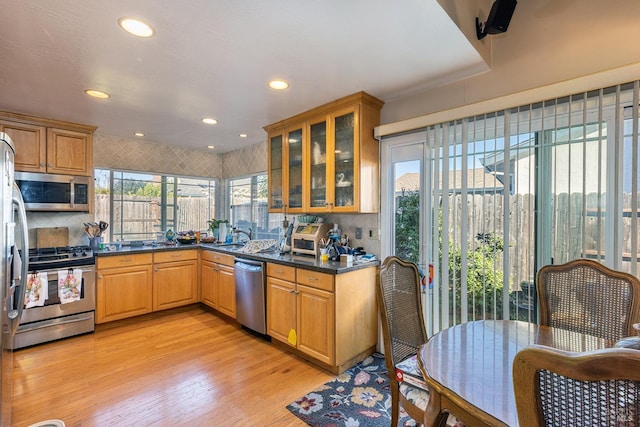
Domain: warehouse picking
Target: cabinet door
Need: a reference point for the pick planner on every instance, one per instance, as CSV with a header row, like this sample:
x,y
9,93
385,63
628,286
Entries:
x,y
226,291
69,152
123,292
277,173
316,198
175,284
315,323
295,171
345,155
207,284
281,309
30,144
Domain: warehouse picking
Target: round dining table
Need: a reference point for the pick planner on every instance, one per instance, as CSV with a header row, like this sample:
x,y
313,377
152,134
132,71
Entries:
x,y
468,367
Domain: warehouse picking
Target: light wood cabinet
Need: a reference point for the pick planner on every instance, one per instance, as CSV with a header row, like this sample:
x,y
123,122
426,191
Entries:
x,y
124,286
175,278
134,284
299,315
218,289
30,142
326,159
49,146
330,319
69,152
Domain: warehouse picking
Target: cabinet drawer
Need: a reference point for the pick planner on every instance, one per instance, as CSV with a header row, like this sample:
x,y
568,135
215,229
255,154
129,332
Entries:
x,y
123,260
218,257
171,256
281,272
315,279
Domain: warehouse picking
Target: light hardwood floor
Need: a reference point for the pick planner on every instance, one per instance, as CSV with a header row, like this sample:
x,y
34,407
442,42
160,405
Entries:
x,y
183,367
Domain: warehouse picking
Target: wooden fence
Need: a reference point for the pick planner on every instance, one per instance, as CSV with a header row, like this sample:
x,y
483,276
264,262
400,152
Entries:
x,y
143,217
578,228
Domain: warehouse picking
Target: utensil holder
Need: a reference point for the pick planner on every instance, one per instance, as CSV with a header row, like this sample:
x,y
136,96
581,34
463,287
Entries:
x,y
94,243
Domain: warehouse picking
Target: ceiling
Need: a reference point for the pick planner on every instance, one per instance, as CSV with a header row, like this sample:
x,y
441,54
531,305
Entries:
x,y
214,58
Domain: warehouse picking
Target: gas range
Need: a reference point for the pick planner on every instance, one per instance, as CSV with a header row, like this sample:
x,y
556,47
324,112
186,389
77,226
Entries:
x,y
60,257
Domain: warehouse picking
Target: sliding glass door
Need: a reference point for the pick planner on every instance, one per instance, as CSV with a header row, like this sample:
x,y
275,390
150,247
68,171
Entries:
x,y
486,200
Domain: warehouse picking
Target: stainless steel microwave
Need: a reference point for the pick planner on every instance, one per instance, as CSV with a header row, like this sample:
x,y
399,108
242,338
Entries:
x,y
49,192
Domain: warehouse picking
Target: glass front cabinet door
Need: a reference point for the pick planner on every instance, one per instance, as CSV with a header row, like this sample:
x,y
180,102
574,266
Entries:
x,y
277,199
330,158
317,161
295,154
345,160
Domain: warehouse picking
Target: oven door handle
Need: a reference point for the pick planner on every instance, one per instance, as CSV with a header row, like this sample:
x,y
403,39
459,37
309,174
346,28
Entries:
x,y
53,322
16,301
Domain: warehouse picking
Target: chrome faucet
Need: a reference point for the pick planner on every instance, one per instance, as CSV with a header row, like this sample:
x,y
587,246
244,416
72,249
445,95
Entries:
x,y
249,234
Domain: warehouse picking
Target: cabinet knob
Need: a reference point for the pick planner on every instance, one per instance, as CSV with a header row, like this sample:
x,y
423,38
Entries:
x,y
49,165
41,165
155,269
313,279
99,276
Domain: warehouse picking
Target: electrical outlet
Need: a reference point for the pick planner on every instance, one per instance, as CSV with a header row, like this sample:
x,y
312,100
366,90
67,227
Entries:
x,y
358,232
373,234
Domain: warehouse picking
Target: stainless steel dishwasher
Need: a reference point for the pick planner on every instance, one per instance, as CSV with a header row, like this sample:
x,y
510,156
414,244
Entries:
x,y
251,294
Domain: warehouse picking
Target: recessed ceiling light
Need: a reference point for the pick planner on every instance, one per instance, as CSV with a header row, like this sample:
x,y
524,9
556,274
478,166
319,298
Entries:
x,y
135,27
211,147
97,93
139,134
243,135
209,121
278,84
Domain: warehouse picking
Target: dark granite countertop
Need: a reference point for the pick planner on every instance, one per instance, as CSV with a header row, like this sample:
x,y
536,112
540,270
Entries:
x,y
302,261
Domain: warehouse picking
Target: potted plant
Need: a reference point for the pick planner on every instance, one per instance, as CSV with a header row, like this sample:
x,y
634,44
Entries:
x,y
214,226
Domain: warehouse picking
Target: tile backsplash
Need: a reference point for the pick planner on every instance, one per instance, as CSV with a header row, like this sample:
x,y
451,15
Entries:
x,y
73,220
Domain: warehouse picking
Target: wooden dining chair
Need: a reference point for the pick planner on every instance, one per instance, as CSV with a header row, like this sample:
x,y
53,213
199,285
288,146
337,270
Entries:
x,y
558,388
588,297
403,331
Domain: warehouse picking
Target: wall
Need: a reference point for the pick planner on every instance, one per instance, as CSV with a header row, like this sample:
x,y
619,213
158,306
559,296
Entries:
x,y
245,161
139,155
548,41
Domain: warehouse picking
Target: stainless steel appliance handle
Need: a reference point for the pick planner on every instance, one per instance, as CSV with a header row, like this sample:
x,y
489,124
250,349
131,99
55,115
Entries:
x,y
249,262
55,322
19,284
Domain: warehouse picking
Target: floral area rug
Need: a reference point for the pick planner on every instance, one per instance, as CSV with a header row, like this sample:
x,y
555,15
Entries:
x,y
358,397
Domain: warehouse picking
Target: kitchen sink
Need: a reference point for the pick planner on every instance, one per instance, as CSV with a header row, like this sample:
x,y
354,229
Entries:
x,y
231,246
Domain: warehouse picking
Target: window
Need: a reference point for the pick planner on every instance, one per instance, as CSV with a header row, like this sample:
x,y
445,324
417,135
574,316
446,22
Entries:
x,y
496,196
248,209
140,205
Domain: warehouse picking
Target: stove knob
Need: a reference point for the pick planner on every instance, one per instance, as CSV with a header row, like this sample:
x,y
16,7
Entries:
x,y
84,253
74,254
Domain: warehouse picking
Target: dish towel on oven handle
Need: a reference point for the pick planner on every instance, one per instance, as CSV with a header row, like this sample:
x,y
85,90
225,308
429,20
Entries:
x,y
69,285
37,290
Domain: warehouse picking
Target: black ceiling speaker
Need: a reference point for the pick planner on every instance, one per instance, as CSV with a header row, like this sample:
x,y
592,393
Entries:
x,y
498,20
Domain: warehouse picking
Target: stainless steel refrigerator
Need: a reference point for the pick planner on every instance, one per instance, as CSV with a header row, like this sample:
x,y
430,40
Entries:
x,y
15,255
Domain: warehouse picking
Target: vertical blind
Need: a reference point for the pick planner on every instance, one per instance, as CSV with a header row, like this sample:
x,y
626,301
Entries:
x,y
509,191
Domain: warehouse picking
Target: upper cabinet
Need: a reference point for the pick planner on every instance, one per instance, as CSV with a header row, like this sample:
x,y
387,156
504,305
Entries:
x,y
49,146
276,172
326,159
